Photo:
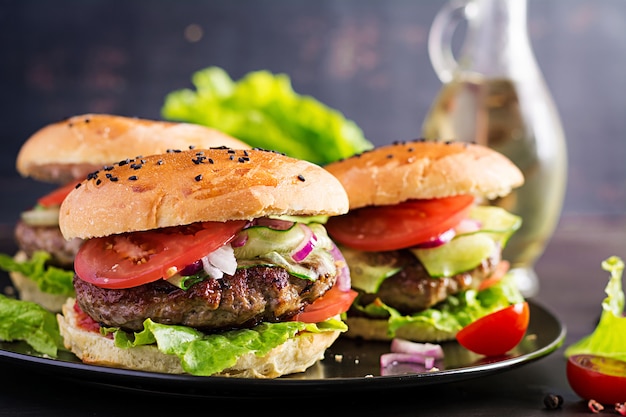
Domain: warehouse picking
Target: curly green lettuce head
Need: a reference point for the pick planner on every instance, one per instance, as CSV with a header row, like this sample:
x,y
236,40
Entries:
x,y
263,110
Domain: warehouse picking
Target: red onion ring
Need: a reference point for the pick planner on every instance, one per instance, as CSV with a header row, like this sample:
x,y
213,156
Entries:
x,y
344,282
239,240
387,359
192,268
399,345
306,246
406,351
274,224
442,239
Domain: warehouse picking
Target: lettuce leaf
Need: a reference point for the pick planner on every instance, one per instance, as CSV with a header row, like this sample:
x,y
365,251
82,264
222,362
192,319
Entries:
x,y
455,312
29,322
206,354
49,279
609,337
263,110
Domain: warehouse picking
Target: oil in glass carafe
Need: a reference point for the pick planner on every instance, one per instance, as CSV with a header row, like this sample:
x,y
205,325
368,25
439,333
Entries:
x,y
495,95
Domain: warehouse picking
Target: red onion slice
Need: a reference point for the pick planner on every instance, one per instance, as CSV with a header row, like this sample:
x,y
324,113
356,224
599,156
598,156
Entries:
x,y
467,226
442,239
274,224
239,240
388,359
344,282
399,345
306,246
192,268
408,352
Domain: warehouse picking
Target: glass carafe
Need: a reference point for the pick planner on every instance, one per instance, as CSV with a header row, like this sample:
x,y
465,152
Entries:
x,y
494,94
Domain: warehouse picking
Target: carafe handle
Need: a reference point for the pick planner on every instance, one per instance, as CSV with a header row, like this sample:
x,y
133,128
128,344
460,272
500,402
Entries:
x,y
440,37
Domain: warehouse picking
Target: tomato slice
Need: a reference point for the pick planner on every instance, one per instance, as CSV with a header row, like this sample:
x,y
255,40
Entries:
x,y
383,228
131,259
597,378
496,276
496,333
333,302
56,197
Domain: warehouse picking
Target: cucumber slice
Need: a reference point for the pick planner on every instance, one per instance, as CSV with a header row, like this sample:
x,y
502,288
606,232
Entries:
x,y
364,274
496,221
461,254
262,240
41,217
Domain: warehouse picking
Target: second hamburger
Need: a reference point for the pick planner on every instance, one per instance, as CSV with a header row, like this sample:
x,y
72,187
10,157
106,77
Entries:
x,y
424,254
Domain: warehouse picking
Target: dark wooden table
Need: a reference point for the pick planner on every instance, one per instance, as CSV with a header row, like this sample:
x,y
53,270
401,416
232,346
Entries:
x,y
572,288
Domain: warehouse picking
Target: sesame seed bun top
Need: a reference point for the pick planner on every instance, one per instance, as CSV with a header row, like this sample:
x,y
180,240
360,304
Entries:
x,y
421,169
184,187
70,149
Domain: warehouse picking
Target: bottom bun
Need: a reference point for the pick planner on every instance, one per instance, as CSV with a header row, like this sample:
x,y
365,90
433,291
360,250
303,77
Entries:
x,y
373,329
28,289
295,355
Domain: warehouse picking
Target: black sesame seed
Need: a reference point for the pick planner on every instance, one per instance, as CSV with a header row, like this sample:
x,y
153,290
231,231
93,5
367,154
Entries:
x,y
160,162
114,179
231,151
389,156
133,178
98,181
198,177
108,168
87,120
211,161
245,153
242,159
192,147
78,185
301,177
232,157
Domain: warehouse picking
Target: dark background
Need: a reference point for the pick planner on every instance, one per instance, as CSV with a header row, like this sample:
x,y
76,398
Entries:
x,y
366,58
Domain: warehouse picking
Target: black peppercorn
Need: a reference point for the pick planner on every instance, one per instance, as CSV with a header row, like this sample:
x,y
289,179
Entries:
x,y
552,401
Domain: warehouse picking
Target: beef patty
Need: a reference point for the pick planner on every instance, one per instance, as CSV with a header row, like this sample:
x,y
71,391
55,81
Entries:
x,y
49,239
411,289
247,298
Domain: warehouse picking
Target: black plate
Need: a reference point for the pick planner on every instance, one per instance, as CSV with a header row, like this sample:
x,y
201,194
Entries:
x,y
349,365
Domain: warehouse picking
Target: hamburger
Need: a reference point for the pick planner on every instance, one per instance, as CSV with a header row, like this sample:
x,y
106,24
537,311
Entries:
x,y
422,243
63,153
207,262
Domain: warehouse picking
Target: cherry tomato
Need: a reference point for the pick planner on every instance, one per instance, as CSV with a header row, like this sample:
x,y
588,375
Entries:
x,y
496,333
56,197
496,276
597,378
333,302
383,228
131,259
